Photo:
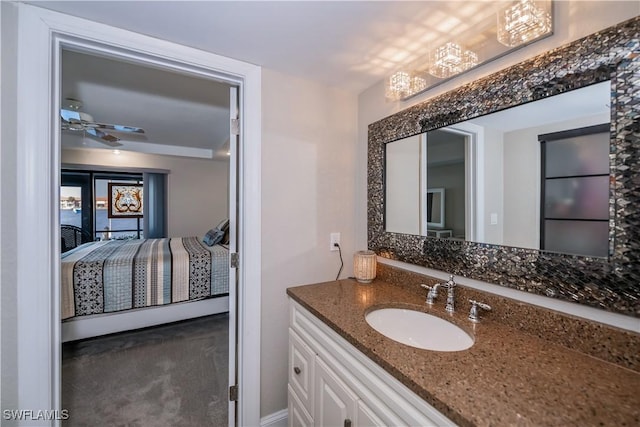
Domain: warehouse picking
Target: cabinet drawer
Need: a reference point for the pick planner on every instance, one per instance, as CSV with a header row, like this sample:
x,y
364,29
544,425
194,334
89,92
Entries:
x,y
301,370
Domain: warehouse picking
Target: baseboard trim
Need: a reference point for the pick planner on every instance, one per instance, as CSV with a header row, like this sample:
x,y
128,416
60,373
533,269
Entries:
x,y
277,419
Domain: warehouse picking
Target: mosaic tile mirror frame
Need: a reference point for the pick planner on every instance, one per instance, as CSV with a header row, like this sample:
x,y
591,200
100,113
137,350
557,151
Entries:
x,y
613,283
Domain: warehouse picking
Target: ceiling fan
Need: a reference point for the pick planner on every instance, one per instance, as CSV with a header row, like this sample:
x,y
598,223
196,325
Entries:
x,y
78,121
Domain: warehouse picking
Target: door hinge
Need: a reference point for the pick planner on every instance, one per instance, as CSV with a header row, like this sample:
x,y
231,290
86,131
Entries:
x,y
233,393
235,126
234,260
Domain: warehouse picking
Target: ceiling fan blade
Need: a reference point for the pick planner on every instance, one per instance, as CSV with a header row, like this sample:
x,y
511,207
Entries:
x,y
72,125
70,115
105,138
75,120
76,116
119,128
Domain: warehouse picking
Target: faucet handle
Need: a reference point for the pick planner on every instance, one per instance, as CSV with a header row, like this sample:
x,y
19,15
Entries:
x,y
432,294
473,313
451,283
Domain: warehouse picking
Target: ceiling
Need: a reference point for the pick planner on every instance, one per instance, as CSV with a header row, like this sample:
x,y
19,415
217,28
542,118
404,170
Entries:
x,y
348,44
181,115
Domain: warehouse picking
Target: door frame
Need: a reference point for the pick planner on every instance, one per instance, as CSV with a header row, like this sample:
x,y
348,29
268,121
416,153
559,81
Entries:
x,y
474,148
41,36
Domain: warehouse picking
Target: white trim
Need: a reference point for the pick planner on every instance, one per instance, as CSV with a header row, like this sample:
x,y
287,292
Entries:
x,y
585,312
108,323
422,198
38,148
38,330
250,238
474,179
146,148
233,248
102,168
277,419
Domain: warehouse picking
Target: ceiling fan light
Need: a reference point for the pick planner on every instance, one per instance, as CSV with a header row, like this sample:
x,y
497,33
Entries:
x,y
73,104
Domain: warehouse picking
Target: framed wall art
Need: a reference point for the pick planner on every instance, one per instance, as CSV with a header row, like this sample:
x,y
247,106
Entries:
x,y
125,200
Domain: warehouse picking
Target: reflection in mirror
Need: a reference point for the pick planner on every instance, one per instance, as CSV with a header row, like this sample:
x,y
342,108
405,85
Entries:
x,y
575,191
491,171
435,207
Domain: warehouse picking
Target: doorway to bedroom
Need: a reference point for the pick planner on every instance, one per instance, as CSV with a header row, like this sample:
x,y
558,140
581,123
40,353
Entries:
x,y
151,149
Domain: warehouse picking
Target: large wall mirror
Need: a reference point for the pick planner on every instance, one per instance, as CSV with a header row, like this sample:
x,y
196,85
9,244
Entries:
x,y
483,180
525,178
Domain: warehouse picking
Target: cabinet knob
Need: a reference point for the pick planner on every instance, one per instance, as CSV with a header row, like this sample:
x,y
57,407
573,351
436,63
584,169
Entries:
x,y
347,423
297,370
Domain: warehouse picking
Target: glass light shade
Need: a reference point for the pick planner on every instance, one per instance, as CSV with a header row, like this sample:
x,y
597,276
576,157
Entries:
x,y
523,21
364,266
403,84
451,59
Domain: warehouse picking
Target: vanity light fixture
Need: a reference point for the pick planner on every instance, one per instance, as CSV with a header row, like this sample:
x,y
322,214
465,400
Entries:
x,y
523,21
451,59
364,266
518,23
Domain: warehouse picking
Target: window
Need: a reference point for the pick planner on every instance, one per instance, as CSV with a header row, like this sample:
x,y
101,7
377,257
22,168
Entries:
x,y
107,227
84,203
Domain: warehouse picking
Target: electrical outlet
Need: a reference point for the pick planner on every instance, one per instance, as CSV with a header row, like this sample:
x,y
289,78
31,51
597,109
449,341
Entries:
x,y
334,238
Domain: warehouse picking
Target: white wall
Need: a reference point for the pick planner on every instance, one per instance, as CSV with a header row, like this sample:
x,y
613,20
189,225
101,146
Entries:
x,y
197,192
8,217
493,174
403,186
308,191
573,19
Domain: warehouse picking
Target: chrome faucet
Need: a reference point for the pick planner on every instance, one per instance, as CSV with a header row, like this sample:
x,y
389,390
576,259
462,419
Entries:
x,y
450,285
473,313
432,294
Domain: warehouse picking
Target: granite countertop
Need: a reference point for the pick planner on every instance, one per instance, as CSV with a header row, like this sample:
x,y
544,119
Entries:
x,y
506,378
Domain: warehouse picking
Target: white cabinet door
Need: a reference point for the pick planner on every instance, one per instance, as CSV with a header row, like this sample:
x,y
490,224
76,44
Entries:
x,y
298,415
301,367
335,403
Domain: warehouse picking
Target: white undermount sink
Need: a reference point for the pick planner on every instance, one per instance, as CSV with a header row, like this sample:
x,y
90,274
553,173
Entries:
x,y
419,329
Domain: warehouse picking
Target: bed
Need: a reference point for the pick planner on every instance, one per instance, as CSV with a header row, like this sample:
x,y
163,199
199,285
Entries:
x,y
116,285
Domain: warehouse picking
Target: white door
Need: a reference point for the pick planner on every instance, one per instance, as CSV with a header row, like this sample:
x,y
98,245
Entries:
x,y
234,133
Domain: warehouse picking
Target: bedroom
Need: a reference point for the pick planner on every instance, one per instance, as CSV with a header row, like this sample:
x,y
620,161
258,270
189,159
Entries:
x,y
182,162
326,195
184,151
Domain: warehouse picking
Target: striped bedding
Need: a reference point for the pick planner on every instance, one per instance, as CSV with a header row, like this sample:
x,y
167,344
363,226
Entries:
x,y
115,275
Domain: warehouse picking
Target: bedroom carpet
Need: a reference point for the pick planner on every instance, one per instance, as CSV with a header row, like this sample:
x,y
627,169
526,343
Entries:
x,y
170,375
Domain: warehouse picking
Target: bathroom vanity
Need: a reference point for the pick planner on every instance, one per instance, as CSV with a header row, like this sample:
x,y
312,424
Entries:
x,y
333,384
343,372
